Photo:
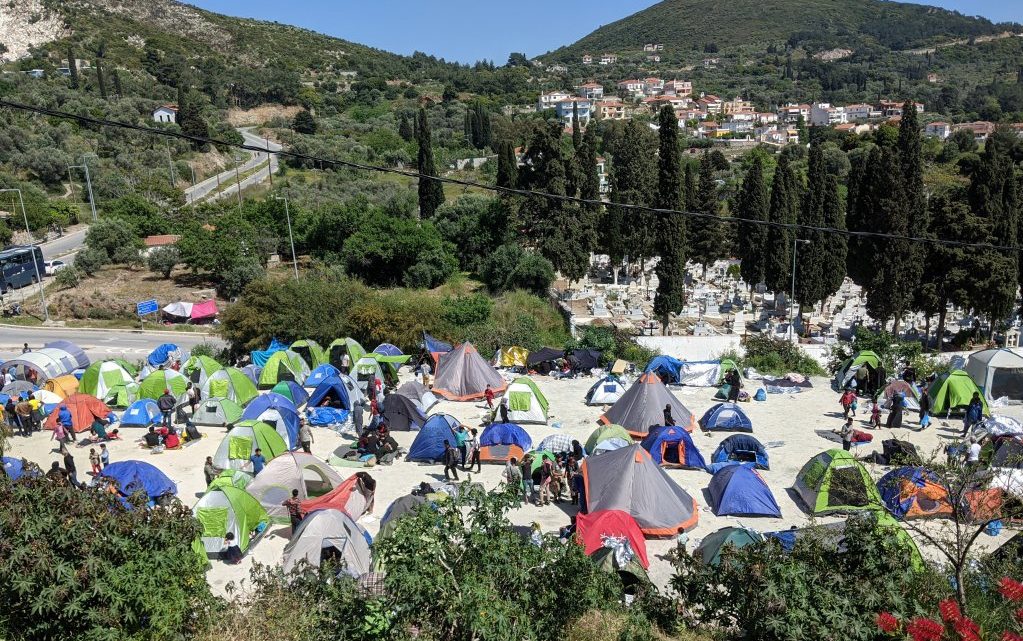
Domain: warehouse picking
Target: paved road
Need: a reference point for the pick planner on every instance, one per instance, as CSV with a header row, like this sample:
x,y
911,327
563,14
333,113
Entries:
x,y
204,189
98,344
64,248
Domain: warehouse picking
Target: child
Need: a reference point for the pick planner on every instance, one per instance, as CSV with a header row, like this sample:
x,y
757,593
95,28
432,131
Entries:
x,y
875,415
489,395
94,461
847,400
104,456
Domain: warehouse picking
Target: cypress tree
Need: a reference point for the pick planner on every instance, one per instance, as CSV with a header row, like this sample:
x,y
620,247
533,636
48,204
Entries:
x,y
405,129
507,169
467,127
857,197
577,134
778,268
431,192
117,83
753,204
887,295
811,257
190,118
486,130
671,231
706,235
100,81
912,168
589,185
833,273
690,190
628,232
72,66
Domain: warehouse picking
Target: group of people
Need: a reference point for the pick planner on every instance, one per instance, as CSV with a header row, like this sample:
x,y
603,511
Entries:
x,y
24,415
556,475
465,451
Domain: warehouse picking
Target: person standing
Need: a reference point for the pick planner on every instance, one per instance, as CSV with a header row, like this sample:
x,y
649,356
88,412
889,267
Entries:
x,y
305,436
193,397
426,373
258,462
210,471
104,456
294,507
488,394
461,437
925,406
37,411
166,404
450,461
69,465
94,461
26,349
11,416
974,413
895,415
346,363
503,408
472,445
848,396
668,418
357,409
734,385
20,412
847,434
513,476
546,478
526,472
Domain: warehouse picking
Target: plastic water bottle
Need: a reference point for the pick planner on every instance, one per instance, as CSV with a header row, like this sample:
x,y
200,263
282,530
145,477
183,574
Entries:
x,y
556,425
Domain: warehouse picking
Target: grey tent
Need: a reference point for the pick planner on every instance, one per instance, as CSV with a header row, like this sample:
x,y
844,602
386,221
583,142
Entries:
x,y
17,388
642,406
463,375
1008,453
401,506
329,534
402,413
419,393
627,479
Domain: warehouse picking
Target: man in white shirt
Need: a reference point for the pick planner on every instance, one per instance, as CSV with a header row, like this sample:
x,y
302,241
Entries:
x,y
973,453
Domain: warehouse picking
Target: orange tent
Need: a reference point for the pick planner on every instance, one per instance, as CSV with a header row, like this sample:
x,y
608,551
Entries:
x,y
351,497
62,386
84,410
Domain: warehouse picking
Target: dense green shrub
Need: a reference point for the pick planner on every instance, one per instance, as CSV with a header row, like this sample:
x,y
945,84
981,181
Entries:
x,y
90,260
772,356
162,260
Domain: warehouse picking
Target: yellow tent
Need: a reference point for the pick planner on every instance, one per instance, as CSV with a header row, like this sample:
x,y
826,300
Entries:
x,y
511,357
62,386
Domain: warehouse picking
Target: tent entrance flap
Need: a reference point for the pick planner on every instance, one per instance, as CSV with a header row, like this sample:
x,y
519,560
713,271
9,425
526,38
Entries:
x,y
1007,382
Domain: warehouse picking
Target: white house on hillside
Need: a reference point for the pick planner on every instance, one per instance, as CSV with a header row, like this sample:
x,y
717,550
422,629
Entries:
x,y
166,113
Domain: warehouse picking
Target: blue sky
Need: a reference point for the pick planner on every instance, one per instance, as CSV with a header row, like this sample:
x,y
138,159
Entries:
x,y
470,30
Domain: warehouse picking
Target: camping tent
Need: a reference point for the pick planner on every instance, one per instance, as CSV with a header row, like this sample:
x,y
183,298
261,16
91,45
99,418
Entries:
x,y
739,490
354,495
153,385
329,534
914,493
217,412
899,387
331,390
542,360
141,413
199,368
999,372
525,402
667,368
310,351
642,406
84,410
606,391
834,481
337,349
252,372
868,362
243,440
710,548
260,357
627,479
726,417
284,365
463,375
163,355
227,509
952,392
230,383
320,374
62,386
387,349
402,413
122,395
291,471
500,442
593,528
61,359
291,391
401,506
672,446
366,371
584,360
276,411
606,438
435,348
419,394
741,448
1008,453
132,476
428,445
100,377
556,443
511,357
72,351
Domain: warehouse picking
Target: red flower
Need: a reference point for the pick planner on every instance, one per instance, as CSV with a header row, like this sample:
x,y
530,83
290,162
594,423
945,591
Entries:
x,y
923,629
1010,589
1011,636
1018,614
967,629
887,623
949,610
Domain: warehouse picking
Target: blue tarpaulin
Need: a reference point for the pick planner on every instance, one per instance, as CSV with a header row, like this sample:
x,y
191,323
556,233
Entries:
x,y
12,467
323,416
162,354
260,357
433,345
666,365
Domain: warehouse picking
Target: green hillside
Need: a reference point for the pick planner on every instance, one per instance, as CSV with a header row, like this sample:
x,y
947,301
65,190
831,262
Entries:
x,y
688,24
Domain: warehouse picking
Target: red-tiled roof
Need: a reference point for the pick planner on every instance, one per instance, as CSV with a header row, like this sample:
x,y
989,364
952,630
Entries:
x,y
161,240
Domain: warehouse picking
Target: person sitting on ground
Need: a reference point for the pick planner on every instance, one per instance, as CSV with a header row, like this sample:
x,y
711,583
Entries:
x,y
152,438
57,474
232,553
171,440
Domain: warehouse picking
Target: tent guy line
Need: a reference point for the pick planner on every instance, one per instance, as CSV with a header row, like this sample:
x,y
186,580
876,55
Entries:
x,y
496,189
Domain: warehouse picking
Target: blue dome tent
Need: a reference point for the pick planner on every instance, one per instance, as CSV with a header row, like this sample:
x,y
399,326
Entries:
x,y
429,444
293,391
320,374
387,350
278,412
332,387
666,367
726,417
141,413
162,354
501,442
740,448
132,476
739,490
672,446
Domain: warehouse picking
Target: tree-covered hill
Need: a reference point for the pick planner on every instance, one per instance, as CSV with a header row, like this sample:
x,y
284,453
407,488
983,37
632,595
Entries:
x,y
689,24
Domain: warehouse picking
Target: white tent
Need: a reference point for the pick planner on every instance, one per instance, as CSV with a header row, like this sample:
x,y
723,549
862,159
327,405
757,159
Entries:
x,y
292,471
606,391
329,533
525,402
999,372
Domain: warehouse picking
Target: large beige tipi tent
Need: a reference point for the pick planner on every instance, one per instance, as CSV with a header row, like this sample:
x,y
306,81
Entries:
x,y
642,406
463,375
627,479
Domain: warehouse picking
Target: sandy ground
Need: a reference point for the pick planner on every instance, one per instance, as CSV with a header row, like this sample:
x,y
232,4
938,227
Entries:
x,y
802,423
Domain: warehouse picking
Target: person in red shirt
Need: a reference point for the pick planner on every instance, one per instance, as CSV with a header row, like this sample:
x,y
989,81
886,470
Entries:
x,y
489,394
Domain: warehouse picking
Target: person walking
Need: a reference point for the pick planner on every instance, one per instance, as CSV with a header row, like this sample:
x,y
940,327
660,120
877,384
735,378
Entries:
x,y
847,434
18,414
895,415
305,436
526,472
925,407
450,461
294,507
65,420
69,465
472,446
210,471
461,437
488,393
11,415
104,456
875,415
166,404
974,413
258,462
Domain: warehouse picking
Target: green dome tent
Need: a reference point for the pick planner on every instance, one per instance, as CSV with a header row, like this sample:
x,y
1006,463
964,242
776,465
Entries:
x,y
952,392
122,395
852,365
198,369
834,481
709,550
217,412
230,383
311,352
153,385
241,443
228,509
102,376
284,365
617,434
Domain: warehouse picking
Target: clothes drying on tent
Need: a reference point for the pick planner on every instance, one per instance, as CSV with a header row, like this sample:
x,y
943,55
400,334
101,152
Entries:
x,y
710,548
329,535
230,383
501,442
524,401
999,372
84,410
309,475
420,394
291,391
642,406
141,413
164,355
672,446
326,416
592,530
952,392
726,417
627,479
311,352
402,414
428,446
914,493
606,438
228,509
132,476
243,440
320,374
284,365
331,392
463,375
606,391
834,481
217,412
739,490
276,411
667,368
260,357
354,496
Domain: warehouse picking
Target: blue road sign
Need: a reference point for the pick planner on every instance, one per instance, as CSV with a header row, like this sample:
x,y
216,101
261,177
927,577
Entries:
x,y
147,307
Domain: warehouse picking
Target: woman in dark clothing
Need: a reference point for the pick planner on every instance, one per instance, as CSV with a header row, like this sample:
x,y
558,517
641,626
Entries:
x,y
895,415
734,384
577,450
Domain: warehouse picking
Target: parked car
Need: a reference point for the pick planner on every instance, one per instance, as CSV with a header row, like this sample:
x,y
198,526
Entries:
x,y
54,266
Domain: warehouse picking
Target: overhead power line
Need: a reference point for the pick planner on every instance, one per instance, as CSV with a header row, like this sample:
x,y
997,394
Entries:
x,y
55,113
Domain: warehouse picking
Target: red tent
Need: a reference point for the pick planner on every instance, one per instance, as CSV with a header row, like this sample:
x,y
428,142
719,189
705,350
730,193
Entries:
x,y
592,528
205,309
84,410
350,497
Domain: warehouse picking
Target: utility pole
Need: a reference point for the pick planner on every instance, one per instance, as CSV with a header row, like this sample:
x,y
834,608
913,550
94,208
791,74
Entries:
x,y
796,242
238,182
35,263
88,182
269,162
291,238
